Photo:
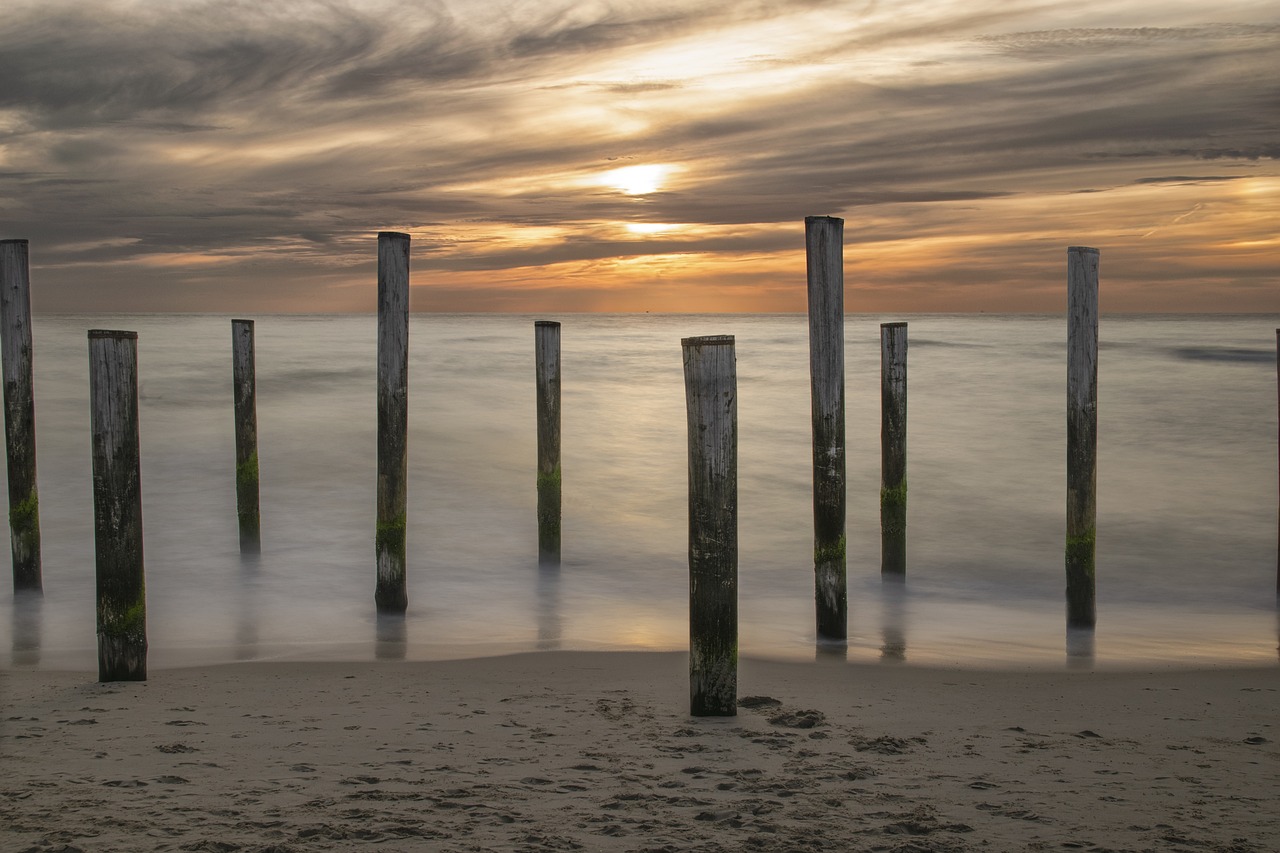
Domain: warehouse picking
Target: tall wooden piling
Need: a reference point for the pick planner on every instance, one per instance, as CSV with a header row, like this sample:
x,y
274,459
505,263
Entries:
x,y
19,414
546,342
1278,467
244,389
824,249
1082,433
893,448
711,403
391,595
117,506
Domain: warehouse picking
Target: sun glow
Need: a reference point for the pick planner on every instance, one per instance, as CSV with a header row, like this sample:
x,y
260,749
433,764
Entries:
x,y
651,227
636,180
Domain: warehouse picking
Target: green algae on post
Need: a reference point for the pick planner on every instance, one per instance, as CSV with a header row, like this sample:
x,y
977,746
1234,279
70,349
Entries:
x,y
244,389
391,589
824,253
546,342
117,506
893,449
711,405
19,414
1082,434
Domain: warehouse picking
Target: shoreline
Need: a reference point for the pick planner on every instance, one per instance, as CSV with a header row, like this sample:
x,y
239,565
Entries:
x,y
564,750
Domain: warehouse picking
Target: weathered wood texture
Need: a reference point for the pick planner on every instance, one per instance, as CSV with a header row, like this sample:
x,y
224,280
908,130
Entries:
x,y
711,403
824,244
19,414
1278,471
1082,433
893,448
546,342
117,506
391,593
244,389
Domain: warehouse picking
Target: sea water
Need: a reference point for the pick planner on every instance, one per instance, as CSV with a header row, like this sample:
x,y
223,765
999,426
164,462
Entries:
x,y
1187,492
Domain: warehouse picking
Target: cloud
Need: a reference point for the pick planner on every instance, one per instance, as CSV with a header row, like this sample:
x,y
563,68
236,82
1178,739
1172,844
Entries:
x,y
246,151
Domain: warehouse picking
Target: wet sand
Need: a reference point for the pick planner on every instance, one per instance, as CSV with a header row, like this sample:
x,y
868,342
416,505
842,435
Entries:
x,y
596,751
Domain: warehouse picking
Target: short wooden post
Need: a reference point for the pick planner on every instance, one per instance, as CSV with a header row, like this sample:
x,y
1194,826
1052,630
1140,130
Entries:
x,y
391,595
244,384
1082,433
546,340
824,241
117,506
19,414
893,448
711,403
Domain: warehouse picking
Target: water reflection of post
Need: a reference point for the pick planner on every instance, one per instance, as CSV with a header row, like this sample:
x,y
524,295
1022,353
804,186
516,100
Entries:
x,y
28,618
893,620
392,638
549,626
246,606
1080,648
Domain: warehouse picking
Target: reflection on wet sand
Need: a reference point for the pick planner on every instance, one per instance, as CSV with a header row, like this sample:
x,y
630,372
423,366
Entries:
x,y
893,620
550,628
392,637
28,619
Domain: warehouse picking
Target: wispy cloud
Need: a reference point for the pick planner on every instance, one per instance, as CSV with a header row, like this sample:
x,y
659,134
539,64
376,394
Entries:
x,y
234,155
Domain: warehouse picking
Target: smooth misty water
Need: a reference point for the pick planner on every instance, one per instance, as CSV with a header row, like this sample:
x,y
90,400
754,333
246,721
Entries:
x,y
1186,509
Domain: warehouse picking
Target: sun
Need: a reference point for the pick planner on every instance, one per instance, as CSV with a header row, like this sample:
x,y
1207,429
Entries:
x,y
636,180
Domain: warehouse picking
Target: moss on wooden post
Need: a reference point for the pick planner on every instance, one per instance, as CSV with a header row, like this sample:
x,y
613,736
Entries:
x,y
117,506
824,250
19,414
893,448
1082,434
244,390
711,403
391,590
546,341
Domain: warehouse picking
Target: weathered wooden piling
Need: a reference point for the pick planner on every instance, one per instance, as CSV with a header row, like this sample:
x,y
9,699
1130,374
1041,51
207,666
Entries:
x,y
893,448
711,403
1278,467
1082,433
391,595
117,506
824,245
244,389
19,414
546,342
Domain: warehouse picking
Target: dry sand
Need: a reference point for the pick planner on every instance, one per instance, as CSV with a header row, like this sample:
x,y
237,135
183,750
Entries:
x,y
596,751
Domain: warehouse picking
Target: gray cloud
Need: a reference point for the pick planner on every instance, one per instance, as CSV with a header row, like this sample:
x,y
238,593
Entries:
x,y
294,129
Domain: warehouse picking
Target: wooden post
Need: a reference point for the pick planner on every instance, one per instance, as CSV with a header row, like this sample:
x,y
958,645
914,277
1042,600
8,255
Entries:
x,y
893,448
1082,433
391,595
19,414
711,403
244,384
117,506
1278,472
546,340
824,238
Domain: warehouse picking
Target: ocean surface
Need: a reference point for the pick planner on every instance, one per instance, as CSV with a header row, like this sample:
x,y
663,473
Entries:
x,y
1187,492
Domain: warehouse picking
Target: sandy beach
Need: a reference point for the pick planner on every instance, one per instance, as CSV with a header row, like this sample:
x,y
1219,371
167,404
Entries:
x,y
596,751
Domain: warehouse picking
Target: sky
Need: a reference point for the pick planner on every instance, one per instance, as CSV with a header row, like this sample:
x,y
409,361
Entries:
x,y
642,155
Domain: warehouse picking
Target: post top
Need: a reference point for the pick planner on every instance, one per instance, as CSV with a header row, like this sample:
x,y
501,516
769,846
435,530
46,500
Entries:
x,y
1081,249
554,324
95,334
707,341
247,322
22,240
900,324
392,235
809,219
